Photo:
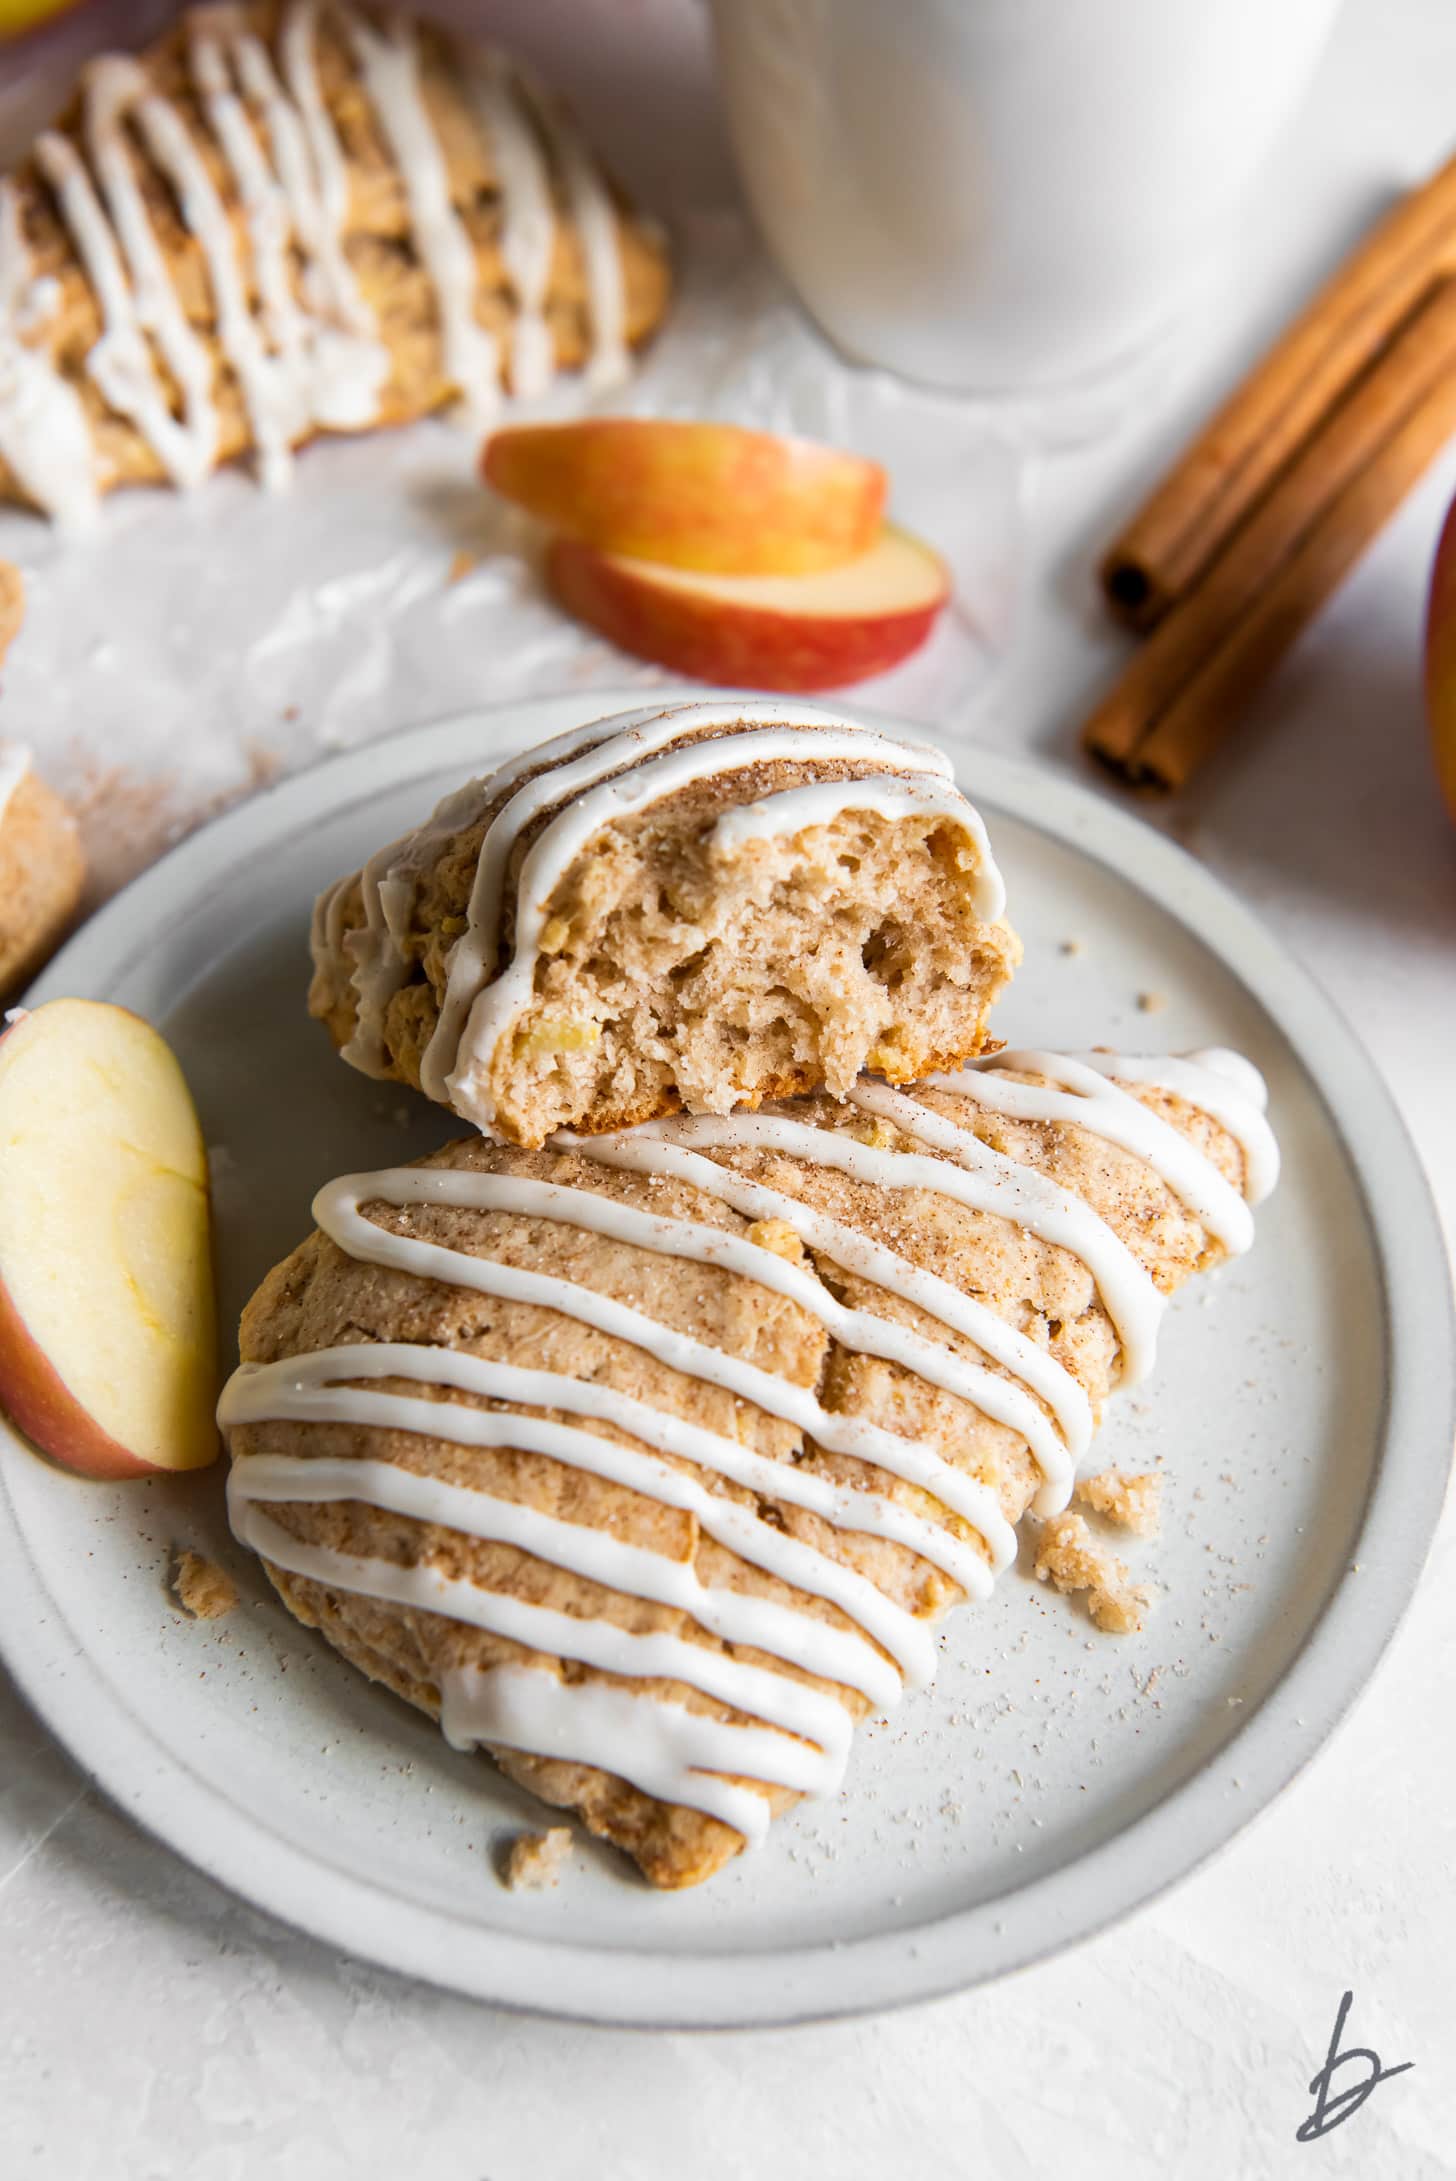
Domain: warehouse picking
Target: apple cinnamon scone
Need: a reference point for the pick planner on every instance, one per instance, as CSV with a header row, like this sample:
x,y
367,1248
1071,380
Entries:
x,y
648,1461
700,907
287,219
42,868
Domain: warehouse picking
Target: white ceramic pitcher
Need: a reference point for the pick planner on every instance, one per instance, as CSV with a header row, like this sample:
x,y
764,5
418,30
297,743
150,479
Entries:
x,y
1005,195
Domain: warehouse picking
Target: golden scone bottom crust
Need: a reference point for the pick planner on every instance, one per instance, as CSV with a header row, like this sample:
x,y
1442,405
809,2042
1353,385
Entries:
x,y
647,1461
694,908
283,220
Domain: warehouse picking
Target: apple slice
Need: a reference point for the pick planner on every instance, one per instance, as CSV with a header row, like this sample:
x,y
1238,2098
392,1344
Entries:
x,y
712,497
760,632
107,1335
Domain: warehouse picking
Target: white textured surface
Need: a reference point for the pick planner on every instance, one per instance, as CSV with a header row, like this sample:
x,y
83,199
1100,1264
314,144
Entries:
x,y
150,2027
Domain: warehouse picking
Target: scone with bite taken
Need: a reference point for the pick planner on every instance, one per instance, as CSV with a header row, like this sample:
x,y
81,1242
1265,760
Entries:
x,y
697,907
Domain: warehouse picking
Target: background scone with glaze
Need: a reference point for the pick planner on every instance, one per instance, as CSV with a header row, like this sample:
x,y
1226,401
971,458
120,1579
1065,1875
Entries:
x,y
286,219
700,907
647,1461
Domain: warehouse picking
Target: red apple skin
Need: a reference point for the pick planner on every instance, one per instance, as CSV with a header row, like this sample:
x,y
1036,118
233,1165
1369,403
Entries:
x,y
740,646
1441,662
35,1398
712,497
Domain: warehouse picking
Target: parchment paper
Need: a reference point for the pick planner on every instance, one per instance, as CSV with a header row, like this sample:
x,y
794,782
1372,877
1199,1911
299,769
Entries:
x,y
195,648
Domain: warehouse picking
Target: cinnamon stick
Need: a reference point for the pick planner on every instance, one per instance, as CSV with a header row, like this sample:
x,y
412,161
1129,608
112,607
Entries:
x,y
1151,724
1208,493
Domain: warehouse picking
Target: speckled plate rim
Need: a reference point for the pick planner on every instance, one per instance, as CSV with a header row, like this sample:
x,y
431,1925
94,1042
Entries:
x,y
182,1807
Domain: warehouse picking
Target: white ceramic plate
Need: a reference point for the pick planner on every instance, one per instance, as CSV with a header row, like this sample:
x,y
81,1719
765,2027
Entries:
x,y
1053,1778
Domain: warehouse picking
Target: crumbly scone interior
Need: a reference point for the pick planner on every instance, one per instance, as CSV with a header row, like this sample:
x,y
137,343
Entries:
x,y
672,961
673,975
870,1489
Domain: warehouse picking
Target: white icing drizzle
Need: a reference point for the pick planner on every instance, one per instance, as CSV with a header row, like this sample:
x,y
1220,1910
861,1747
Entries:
x,y
1220,1083
798,810
589,202
733,1616
801,1738
673,1752
120,364
303,1389
115,87
336,1209
273,398
660,1147
324,371
987,1181
14,765
775,1698
44,435
322,232
528,217
1091,1100
389,62
253,1389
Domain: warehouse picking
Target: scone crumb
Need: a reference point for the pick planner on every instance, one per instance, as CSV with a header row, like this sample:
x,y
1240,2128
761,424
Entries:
x,y
462,564
535,1859
202,1588
1071,946
1130,1501
1071,1558
778,1236
1151,1003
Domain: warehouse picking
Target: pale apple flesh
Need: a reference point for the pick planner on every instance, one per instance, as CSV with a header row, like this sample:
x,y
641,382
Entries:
x,y
760,632
107,1324
1441,662
711,497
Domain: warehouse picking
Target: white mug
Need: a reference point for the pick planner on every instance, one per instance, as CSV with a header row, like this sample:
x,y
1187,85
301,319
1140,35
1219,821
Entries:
x,y
1004,195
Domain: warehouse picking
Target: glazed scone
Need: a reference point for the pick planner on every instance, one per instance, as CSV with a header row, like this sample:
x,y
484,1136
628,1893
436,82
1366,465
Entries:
x,y
287,219
42,869
699,907
647,1462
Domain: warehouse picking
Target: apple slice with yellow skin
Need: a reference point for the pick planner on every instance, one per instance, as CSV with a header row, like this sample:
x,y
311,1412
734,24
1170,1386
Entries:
x,y
711,497
760,632
1441,662
107,1327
